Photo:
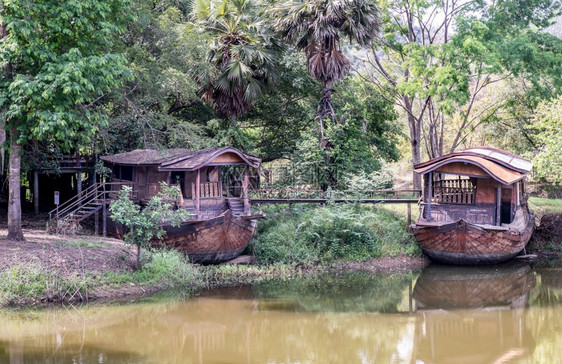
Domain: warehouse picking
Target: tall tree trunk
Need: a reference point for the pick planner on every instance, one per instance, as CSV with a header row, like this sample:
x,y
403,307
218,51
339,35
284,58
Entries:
x,y
325,111
14,202
415,135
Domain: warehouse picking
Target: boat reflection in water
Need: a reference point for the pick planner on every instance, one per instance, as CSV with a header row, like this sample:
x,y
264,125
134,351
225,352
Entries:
x,y
473,314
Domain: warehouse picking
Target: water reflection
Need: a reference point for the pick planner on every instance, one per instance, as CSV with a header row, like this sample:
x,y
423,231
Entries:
x,y
473,314
444,315
51,351
349,292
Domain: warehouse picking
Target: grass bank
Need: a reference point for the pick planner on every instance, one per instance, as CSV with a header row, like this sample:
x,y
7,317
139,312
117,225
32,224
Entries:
x,y
543,206
294,241
547,239
35,283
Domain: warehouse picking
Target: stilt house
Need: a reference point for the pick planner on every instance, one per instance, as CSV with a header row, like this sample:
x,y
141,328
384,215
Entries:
x,y
211,180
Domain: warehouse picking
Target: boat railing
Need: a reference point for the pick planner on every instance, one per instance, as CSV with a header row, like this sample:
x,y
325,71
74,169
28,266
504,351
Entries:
x,y
206,190
453,191
311,194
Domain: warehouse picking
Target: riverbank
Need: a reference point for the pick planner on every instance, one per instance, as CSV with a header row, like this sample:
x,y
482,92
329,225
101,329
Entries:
x,y
56,268
292,242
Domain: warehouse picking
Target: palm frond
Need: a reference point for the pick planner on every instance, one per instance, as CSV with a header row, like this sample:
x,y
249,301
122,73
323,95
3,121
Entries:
x,y
337,65
254,90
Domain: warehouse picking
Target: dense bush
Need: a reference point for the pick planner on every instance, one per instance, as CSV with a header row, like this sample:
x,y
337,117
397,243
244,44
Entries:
x,y
326,234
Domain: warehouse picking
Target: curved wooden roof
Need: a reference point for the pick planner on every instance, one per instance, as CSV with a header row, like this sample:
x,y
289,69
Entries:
x,y
502,166
180,158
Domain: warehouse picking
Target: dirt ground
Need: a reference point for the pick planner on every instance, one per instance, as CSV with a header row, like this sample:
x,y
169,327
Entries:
x,y
67,254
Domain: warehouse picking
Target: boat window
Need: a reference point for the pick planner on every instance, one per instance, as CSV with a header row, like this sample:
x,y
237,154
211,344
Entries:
x,y
459,191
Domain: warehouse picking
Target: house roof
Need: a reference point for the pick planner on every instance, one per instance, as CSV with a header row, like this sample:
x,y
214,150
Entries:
x,y
502,166
146,156
179,158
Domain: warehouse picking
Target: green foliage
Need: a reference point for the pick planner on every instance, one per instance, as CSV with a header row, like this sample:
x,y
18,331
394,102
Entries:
x,y
34,282
442,73
316,27
24,281
377,180
364,134
58,64
276,121
244,54
545,205
144,224
324,235
161,107
548,126
163,269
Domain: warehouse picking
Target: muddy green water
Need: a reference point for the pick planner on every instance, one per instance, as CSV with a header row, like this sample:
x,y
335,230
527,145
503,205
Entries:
x,y
506,314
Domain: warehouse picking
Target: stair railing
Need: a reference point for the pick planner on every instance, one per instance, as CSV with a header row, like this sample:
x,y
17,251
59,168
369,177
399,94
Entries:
x,y
97,191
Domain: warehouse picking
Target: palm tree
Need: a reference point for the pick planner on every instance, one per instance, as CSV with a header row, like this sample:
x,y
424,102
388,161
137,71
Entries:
x,y
317,26
244,54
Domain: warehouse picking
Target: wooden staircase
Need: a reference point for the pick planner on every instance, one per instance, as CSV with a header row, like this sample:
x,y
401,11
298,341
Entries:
x,y
190,208
236,205
67,216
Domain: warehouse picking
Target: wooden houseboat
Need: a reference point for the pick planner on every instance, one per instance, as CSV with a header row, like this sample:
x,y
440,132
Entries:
x,y
474,207
473,314
214,189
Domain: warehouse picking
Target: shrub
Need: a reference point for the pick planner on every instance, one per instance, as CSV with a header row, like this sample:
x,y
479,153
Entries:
x,y
144,224
326,234
162,268
167,268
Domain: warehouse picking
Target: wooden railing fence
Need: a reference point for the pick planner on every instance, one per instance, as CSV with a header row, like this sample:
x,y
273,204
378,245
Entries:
x,y
460,192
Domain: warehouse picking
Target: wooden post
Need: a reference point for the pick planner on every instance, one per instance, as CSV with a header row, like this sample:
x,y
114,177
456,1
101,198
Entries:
x,y
517,200
498,204
245,190
429,193
198,193
220,181
79,185
96,223
147,184
104,213
36,191
409,214
78,177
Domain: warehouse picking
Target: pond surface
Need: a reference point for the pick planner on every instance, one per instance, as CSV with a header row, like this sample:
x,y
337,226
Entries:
x,y
500,314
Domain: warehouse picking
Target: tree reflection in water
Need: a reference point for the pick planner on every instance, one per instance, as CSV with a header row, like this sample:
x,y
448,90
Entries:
x,y
450,315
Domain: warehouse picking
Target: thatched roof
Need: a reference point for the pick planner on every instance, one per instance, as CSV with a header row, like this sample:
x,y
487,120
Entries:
x,y
139,157
179,158
502,166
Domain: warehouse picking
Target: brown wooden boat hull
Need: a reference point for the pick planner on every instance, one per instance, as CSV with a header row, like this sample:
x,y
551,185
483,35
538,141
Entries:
x,y
448,288
211,241
464,243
